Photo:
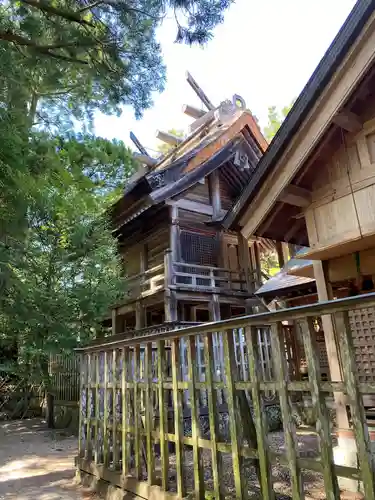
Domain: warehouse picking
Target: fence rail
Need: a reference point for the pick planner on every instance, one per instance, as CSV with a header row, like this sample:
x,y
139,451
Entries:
x,y
134,392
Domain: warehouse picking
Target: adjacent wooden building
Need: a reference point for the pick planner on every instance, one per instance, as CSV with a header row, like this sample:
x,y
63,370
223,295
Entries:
x,y
315,186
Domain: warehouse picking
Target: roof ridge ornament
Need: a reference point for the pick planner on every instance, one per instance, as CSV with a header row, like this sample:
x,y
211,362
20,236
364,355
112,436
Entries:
x,y
229,108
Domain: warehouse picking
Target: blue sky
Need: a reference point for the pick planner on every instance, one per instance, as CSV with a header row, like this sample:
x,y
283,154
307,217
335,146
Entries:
x,y
264,51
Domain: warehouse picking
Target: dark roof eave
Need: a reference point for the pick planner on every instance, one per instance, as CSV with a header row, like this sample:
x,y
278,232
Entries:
x,y
312,90
188,180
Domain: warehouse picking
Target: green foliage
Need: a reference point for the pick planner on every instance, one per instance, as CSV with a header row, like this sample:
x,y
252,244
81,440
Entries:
x,y
82,55
60,62
269,262
61,273
275,119
163,147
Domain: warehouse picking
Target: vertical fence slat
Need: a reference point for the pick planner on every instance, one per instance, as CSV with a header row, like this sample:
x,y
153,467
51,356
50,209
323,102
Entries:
x,y
281,372
136,412
197,456
319,403
251,334
365,458
88,391
230,367
96,433
114,411
105,422
163,415
83,358
178,425
149,414
212,408
124,444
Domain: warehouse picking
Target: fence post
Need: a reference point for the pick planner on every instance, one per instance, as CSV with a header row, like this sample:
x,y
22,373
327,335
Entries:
x,y
50,411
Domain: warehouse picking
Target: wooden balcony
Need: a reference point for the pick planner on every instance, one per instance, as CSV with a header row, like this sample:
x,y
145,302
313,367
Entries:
x,y
188,277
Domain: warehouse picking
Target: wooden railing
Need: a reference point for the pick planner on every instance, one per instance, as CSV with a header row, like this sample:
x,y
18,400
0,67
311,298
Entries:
x,y
146,283
203,278
191,277
134,395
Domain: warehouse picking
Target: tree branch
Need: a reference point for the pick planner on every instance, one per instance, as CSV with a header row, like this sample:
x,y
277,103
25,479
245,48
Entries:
x,y
47,7
45,50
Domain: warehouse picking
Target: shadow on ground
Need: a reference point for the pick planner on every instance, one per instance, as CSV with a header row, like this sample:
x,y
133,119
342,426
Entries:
x,y
36,463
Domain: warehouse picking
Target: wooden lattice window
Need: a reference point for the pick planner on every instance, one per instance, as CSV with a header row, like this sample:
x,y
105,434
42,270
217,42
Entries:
x,y
200,249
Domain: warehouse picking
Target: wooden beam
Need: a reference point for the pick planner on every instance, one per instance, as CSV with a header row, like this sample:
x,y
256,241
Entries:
x,y
296,196
145,159
348,121
268,222
192,111
168,138
194,206
294,229
202,96
204,120
137,144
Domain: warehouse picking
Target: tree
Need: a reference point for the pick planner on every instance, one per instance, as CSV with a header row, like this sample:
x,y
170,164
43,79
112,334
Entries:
x,y
164,148
85,55
275,119
63,271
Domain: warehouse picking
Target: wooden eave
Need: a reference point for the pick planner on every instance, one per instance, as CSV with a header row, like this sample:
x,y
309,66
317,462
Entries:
x,y
306,128
213,138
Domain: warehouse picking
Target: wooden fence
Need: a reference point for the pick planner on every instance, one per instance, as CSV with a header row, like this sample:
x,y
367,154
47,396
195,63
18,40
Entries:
x,y
132,431
64,378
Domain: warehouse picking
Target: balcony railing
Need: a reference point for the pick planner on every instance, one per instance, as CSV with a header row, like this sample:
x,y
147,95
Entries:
x,y
189,277
202,278
146,283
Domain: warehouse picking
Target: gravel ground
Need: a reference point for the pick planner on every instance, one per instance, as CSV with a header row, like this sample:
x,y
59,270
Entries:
x,y
313,482
37,464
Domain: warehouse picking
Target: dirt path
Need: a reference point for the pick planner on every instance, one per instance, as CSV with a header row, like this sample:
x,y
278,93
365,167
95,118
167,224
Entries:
x,y
36,463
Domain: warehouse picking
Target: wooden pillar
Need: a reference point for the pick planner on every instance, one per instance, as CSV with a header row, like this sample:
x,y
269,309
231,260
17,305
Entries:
x,y
214,307
50,411
325,293
257,265
174,234
292,250
245,262
282,253
170,301
114,321
223,261
118,325
143,258
215,194
139,315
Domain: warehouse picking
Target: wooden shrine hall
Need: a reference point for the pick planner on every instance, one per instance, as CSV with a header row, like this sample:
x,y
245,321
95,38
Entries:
x,y
181,266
